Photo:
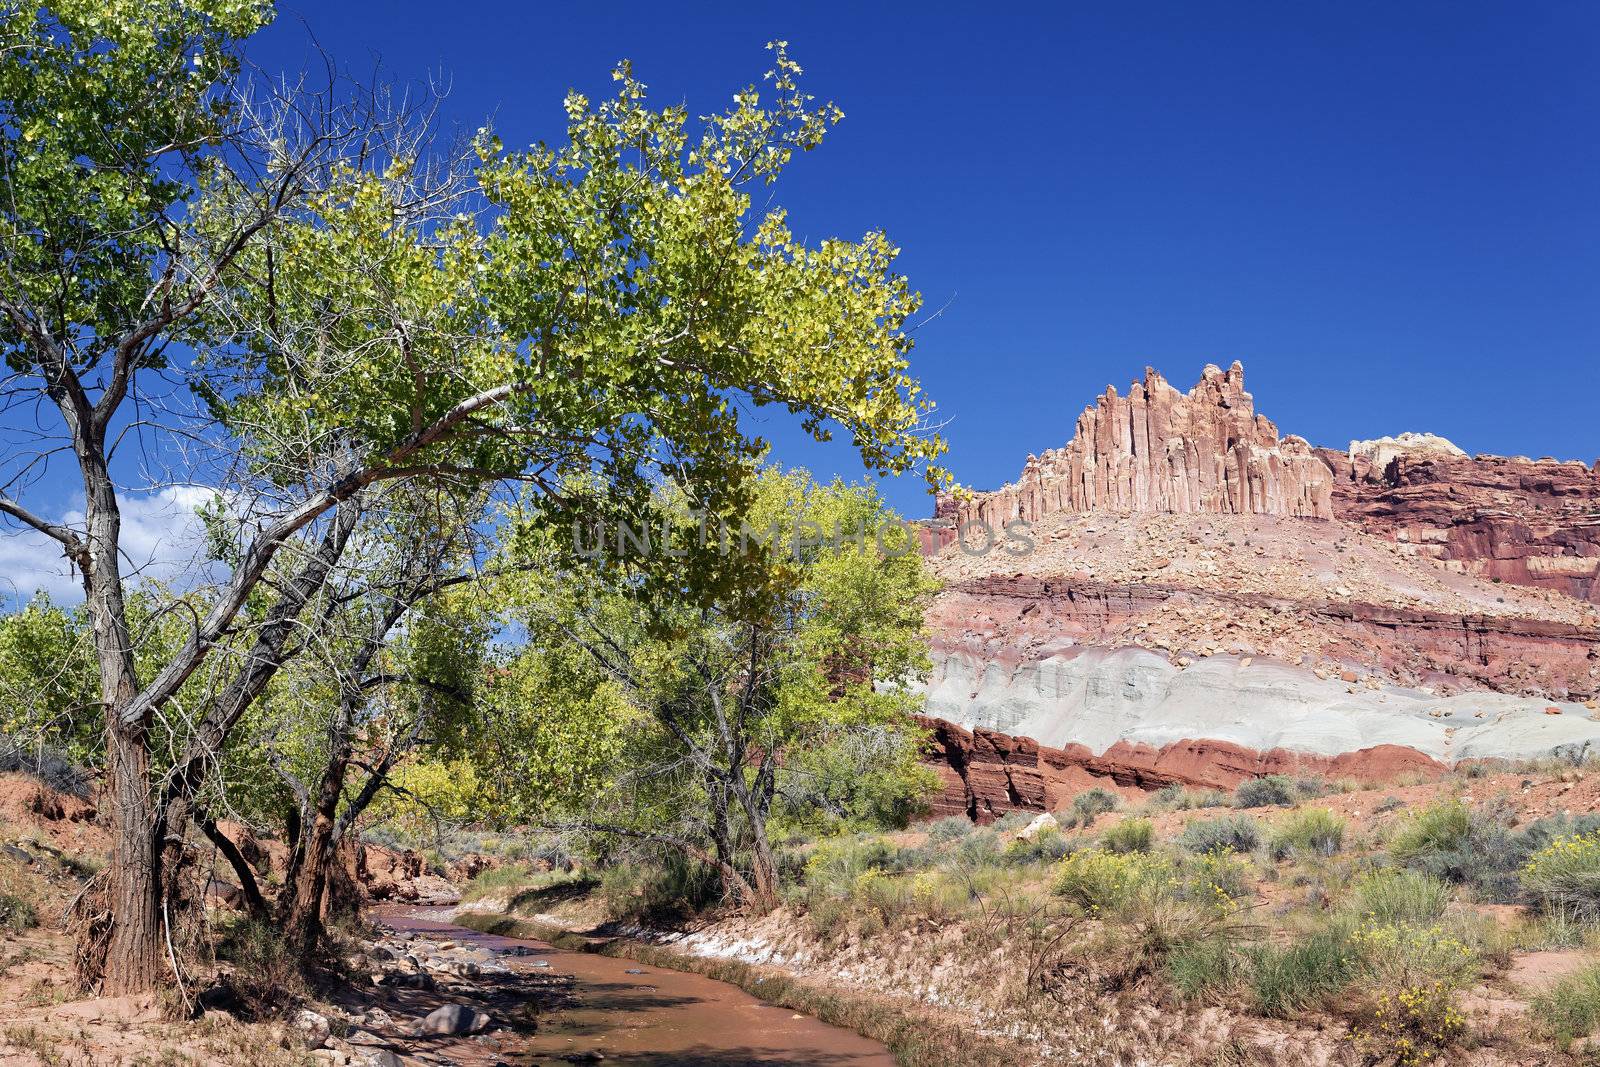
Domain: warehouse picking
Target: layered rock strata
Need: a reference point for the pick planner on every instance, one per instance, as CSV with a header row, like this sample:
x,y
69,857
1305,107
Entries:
x,y
986,774
1509,519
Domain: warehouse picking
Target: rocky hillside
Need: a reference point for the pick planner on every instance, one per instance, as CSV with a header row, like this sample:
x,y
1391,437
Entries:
x,y
1198,584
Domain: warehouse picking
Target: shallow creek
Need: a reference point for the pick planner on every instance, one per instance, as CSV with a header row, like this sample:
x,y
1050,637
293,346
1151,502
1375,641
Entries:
x,y
629,1013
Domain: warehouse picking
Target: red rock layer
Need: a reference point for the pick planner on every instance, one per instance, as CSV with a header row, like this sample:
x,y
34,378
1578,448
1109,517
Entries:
x,y
986,774
1532,522
1506,653
1160,450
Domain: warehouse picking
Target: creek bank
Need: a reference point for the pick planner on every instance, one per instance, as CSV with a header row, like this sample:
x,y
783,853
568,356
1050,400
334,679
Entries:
x,y
921,1032
617,1008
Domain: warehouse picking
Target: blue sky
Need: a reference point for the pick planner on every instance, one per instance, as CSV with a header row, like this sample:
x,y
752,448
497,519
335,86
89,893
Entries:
x,y
1388,212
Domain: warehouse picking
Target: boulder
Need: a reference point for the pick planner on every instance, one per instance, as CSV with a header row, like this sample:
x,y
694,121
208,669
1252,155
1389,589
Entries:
x,y
454,1020
310,1029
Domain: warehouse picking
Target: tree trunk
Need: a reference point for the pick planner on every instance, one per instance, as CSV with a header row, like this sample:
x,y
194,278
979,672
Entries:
x,y
302,911
132,960
129,959
763,867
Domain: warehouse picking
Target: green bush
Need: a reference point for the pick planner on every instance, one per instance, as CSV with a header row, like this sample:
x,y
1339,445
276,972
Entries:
x,y
1217,879
1090,805
1178,798
1129,835
1046,846
1015,820
17,914
1399,895
1565,876
1440,828
1197,968
1238,833
1398,956
1264,792
669,888
1314,830
949,828
1096,881
1289,979
1570,1009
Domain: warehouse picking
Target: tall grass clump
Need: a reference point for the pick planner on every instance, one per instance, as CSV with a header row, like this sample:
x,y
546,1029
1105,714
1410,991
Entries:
x,y
1315,831
1179,798
1088,806
1290,978
949,828
1399,895
1441,828
1129,835
1237,833
1570,1009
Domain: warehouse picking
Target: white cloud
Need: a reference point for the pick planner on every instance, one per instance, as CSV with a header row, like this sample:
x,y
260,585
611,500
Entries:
x,y
162,540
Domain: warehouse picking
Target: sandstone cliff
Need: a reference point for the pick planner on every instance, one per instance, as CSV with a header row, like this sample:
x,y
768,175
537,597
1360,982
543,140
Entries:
x,y
1160,450
1203,600
1508,519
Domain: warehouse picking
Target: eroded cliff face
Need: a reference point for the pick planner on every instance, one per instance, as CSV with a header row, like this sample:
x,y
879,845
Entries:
x,y
1531,522
1205,600
1160,450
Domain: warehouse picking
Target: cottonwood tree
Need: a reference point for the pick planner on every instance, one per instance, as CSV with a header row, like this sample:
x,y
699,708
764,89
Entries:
x,y
719,709
351,311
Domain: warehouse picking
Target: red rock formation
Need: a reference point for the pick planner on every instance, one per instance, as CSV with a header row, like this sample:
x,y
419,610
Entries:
x,y
986,773
1532,522
1504,653
1161,450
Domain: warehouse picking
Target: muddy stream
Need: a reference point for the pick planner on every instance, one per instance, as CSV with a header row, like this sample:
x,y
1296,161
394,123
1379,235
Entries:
x,y
626,1012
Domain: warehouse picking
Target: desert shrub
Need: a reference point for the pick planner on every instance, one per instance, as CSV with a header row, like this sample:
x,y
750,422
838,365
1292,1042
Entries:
x,y
1239,833
1263,792
1411,1026
1198,968
1090,805
1179,798
1046,846
1313,830
1096,881
1442,827
828,917
1570,1009
1565,876
836,863
976,849
1399,895
17,913
1218,879
669,888
1400,956
1012,821
949,828
1290,978
1129,835
266,971
1475,848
